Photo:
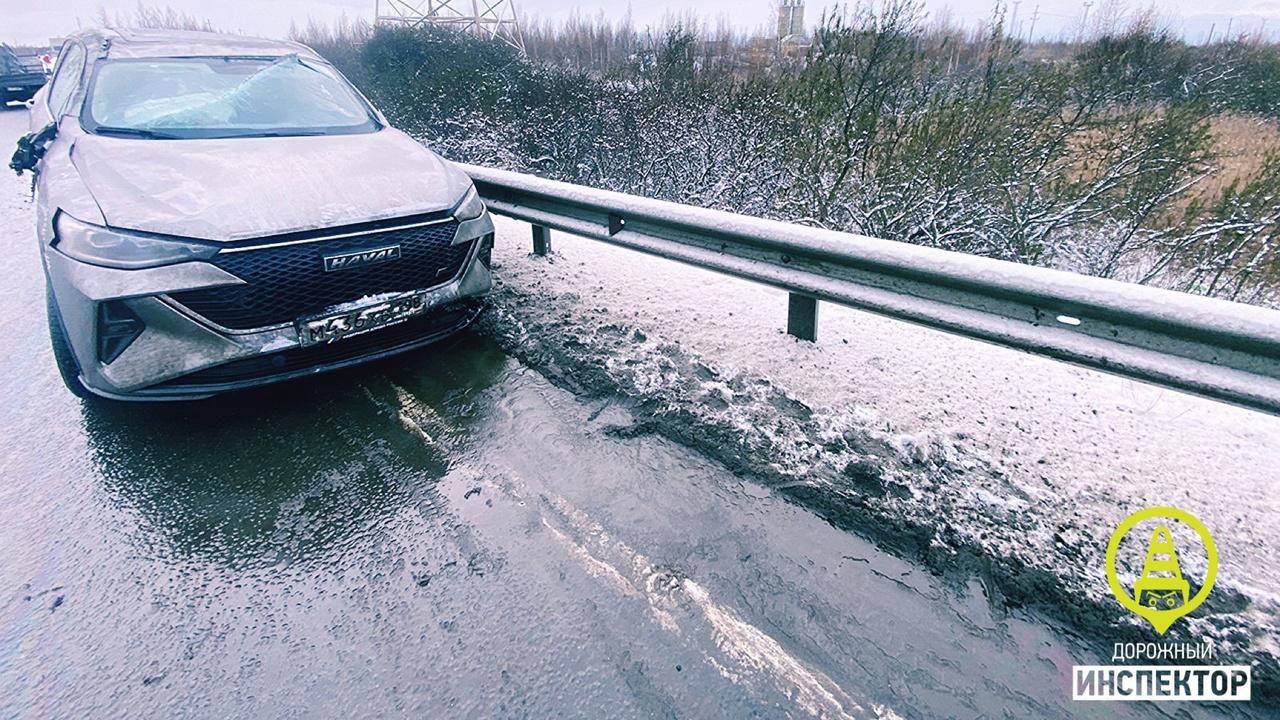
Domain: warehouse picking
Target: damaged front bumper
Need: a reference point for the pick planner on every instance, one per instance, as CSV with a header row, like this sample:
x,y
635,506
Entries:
x,y
132,341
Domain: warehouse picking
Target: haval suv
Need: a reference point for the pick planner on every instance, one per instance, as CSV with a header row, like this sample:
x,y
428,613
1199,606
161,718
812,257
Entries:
x,y
218,212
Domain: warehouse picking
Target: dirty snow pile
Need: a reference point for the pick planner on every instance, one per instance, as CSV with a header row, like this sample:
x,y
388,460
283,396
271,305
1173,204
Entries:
x,y
971,457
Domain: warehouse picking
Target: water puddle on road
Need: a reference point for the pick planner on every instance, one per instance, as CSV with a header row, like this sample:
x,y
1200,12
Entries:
x,y
447,535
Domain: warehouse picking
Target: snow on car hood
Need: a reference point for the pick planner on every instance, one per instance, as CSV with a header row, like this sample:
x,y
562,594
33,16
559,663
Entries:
x,y
235,188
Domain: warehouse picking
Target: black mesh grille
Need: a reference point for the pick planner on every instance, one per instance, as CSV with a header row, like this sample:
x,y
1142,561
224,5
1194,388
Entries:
x,y
283,284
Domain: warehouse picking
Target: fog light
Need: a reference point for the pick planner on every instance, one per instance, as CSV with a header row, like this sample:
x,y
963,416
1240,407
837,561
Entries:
x,y
118,327
486,251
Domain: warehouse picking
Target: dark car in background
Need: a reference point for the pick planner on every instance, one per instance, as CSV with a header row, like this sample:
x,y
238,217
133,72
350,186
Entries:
x,y
22,73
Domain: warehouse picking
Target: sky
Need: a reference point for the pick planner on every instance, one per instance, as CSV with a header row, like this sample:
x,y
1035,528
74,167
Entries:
x,y
29,21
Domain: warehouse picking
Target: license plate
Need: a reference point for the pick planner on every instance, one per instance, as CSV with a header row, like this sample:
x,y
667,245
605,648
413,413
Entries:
x,y
339,325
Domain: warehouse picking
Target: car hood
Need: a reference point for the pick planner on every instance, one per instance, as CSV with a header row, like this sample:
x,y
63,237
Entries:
x,y
235,188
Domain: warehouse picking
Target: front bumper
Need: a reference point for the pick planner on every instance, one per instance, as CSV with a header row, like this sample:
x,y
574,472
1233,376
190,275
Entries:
x,y
178,354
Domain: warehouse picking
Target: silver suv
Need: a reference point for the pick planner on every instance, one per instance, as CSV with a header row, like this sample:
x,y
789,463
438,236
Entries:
x,y
218,212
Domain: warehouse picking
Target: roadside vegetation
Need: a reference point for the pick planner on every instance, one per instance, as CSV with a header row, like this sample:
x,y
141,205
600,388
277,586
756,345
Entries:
x,y
1129,155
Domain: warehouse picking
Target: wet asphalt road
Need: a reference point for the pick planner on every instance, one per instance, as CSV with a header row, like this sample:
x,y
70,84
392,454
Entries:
x,y
444,535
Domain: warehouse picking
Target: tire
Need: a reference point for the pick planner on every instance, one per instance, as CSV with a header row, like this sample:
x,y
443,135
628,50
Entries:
x,y
68,368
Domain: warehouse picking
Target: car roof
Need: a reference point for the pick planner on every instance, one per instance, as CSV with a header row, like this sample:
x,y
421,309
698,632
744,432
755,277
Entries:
x,y
120,43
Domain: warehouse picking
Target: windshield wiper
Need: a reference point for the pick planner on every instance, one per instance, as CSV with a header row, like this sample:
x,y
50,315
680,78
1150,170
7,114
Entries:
x,y
280,133
137,133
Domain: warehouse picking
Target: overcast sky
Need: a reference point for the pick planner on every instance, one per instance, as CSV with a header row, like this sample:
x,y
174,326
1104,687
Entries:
x,y
30,21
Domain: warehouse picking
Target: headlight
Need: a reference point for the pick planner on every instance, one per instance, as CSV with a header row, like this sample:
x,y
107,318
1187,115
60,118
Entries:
x,y
471,206
121,249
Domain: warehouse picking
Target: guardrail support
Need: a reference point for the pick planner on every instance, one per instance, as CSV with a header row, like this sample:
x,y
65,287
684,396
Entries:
x,y
802,317
541,240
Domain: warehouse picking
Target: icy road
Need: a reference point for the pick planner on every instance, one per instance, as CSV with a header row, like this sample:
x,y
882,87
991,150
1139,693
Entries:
x,y
449,535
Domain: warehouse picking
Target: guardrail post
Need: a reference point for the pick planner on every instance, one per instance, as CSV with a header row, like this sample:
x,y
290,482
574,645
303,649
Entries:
x,y
802,317
541,240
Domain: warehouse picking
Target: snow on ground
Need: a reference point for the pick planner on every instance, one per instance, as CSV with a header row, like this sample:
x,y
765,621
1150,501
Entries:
x,y
1020,457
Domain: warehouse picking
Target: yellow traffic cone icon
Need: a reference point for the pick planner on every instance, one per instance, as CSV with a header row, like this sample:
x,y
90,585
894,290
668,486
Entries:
x,y
1161,586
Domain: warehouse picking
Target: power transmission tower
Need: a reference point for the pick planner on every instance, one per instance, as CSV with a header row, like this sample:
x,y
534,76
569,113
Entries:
x,y
492,19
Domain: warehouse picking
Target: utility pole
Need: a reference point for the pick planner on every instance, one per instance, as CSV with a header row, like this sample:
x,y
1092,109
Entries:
x,y
1013,20
494,19
1035,15
1084,21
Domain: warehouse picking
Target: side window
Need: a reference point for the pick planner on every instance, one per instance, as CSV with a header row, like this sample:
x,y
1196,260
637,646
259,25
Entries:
x,y
70,66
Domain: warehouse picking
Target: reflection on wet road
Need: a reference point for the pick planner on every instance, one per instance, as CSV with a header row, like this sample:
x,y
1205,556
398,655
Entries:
x,y
443,535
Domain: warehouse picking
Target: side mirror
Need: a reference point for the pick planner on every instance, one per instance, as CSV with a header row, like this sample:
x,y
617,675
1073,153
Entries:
x,y
31,148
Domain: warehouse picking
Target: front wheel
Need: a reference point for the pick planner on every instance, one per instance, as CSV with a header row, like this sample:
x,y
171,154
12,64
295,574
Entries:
x,y
68,368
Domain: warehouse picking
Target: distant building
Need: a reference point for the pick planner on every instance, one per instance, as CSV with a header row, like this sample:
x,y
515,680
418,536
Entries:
x,y
790,19
767,52
793,41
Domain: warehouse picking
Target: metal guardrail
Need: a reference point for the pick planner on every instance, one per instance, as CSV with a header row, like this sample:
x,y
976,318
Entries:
x,y
1214,348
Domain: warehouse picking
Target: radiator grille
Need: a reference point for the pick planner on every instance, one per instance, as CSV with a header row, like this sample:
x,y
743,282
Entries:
x,y
285,283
